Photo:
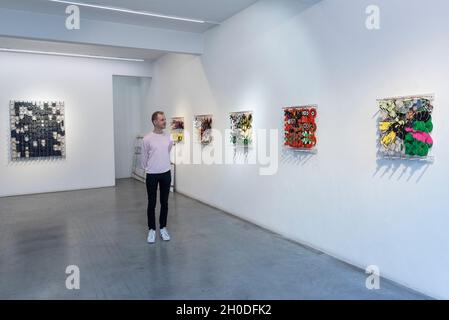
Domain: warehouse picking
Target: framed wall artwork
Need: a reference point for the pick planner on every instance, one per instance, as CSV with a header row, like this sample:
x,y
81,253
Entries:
x,y
241,128
203,128
37,130
405,127
177,129
300,127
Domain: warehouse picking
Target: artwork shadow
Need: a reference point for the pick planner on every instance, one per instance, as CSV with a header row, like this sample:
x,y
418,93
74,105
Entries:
x,y
241,153
400,169
40,161
296,157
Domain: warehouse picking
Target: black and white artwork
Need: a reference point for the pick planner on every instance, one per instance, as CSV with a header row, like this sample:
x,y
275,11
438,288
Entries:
x,y
37,130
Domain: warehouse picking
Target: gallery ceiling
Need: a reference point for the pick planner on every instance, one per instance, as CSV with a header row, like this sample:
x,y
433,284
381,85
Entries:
x,y
81,49
211,11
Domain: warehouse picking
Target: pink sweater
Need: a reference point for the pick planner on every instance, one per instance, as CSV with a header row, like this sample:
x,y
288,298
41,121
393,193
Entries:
x,y
156,153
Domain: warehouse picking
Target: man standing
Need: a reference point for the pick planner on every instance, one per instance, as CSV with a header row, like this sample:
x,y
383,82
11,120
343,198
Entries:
x,y
156,163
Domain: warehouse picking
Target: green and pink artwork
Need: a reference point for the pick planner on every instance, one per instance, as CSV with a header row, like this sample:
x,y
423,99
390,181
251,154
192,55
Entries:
x,y
405,127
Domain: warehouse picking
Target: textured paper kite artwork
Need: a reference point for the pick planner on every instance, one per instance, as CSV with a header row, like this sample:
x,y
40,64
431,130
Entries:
x,y
203,126
177,129
241,128
37,130
405,127
300,127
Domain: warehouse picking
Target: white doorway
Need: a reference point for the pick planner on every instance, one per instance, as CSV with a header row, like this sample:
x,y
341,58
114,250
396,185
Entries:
x,y
130,114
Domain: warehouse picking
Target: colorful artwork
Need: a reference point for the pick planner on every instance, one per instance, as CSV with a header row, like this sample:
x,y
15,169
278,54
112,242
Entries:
x,y
37,130
300,127
203,126
177,129
405,126
241,128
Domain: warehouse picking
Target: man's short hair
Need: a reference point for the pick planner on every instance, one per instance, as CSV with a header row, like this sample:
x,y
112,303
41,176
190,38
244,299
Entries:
x,y
155,115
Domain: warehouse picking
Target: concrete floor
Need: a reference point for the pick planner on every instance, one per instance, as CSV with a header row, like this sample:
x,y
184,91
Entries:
x,y
211,256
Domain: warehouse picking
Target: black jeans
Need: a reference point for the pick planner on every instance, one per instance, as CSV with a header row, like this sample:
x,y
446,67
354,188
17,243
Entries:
x,y
164,181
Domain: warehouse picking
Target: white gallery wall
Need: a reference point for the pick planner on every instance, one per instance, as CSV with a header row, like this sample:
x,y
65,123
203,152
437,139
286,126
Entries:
x,y
278,53
86,87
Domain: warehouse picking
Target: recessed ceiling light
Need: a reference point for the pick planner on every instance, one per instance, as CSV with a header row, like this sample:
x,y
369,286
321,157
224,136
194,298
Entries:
x,y
144,13
69,55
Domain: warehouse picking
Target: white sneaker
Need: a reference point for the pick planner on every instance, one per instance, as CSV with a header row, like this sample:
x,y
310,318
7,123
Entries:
x,y
164,234
151,236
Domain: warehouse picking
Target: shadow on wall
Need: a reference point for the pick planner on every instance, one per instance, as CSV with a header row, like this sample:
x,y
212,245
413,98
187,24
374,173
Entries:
x,y
241,154
28,162
293,157
403,169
